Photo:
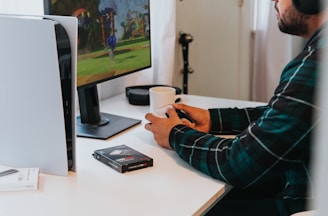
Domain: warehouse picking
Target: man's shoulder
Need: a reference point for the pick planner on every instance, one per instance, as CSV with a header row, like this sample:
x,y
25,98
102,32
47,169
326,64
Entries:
x,y
319,38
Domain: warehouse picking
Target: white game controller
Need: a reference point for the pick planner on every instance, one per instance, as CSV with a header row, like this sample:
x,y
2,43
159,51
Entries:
x,y
162,112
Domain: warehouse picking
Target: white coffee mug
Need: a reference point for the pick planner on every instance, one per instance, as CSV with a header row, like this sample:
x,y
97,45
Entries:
x,y
160,97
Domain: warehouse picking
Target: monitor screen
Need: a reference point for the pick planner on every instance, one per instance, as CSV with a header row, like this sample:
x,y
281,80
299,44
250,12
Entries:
x,y
113,41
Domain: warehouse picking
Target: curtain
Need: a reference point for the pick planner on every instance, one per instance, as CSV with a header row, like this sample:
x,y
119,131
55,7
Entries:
x,y
163,17
272,51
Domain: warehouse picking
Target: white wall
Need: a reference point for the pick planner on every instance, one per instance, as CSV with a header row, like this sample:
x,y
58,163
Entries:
x,y
220,52
27,7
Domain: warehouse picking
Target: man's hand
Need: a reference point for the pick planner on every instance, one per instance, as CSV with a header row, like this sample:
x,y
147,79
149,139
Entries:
x,y
201,117
161,127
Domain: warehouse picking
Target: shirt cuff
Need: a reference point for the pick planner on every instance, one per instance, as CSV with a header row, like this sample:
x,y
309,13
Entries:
x,y
216,121
175,132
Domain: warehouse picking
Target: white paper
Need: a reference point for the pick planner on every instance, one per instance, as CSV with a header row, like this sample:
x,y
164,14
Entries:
x,y
24,179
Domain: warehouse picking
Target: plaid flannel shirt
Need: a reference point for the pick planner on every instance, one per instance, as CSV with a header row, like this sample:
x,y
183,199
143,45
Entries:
x,y
272,141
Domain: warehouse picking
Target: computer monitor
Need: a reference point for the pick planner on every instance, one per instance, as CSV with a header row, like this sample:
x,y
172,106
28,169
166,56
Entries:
x,y
113,41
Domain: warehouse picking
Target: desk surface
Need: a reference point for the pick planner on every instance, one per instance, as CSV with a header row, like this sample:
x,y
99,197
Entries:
x,y
170,187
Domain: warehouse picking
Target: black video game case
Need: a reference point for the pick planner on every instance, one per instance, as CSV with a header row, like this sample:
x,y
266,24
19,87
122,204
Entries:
x,y
123,158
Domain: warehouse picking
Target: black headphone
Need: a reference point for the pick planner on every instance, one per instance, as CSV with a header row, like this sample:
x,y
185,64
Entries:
x,y
309,7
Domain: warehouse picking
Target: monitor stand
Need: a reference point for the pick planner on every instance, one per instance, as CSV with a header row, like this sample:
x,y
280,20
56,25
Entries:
x,y
94,124
115,125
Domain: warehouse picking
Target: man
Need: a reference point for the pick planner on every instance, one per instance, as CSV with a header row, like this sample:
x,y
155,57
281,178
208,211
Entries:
x,y
273,142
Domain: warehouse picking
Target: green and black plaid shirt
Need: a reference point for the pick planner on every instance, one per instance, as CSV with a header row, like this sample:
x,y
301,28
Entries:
x,y
272,141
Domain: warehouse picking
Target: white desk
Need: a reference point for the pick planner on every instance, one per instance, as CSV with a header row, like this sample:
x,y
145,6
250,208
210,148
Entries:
x,y
170,187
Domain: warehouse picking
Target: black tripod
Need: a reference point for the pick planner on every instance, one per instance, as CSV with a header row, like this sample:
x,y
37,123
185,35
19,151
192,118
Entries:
x,y
184,40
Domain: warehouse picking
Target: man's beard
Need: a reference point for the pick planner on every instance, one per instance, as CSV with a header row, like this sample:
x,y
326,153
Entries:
x,y
293,22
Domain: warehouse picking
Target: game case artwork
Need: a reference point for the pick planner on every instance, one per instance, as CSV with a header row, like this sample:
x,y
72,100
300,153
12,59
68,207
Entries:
x,y
123,158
